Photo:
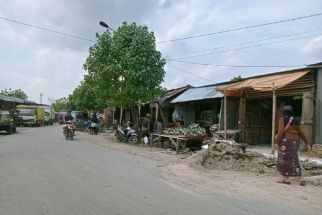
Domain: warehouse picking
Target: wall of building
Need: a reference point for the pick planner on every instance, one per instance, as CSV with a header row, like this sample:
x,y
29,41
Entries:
x,y
318,127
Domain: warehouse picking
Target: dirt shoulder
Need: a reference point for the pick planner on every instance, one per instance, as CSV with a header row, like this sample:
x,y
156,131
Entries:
x,y
183,171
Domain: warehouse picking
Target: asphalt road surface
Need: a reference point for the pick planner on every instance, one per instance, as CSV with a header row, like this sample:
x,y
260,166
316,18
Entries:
x,y
42,173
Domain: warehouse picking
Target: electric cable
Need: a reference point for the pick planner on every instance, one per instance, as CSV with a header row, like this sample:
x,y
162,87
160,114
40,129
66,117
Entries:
x,y
255,41
241,28
46,29
243,47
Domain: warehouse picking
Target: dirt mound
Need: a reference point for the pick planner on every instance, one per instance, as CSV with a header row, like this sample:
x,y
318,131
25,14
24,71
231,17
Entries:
x,y
227,157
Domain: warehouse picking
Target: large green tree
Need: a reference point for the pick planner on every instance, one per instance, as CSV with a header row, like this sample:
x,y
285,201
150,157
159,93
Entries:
x,y
14,93
84,97
126,67
62,104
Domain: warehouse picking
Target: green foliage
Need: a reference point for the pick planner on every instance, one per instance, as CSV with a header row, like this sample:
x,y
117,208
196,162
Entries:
x,y
14,93
84,97
126,68
236,78
62,104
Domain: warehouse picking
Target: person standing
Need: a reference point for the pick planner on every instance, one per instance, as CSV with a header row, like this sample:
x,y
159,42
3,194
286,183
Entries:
x,y
94,124
288,141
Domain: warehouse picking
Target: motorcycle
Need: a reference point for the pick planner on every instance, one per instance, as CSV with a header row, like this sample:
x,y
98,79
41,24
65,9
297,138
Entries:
x,y
69,130
126,134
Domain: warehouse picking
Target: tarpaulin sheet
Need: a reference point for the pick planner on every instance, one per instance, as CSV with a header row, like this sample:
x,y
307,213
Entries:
x,y
263,83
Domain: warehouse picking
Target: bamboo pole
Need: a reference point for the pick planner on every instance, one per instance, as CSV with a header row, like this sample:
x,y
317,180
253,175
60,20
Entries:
x,y
273,118
156,113
121,115
139,107
225,113
113,115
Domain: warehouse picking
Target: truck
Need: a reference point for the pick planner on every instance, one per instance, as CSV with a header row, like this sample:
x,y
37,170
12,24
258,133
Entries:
x,y
31,115
7,122
49,115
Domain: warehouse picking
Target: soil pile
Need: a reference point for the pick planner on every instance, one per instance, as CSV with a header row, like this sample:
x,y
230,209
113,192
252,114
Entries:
x,y
229,157
223,156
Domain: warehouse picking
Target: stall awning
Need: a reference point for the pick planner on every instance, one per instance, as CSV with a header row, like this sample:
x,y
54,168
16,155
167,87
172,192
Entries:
x,y
198,93
263,84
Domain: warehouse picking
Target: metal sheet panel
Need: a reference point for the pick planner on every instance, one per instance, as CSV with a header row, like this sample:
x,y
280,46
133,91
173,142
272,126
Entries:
x,y
318,129
198,93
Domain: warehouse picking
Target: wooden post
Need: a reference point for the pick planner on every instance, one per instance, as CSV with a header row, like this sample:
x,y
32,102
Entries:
x,y
225,113
242,116
121,115
307,118
156,113
139,107
113,114
273,117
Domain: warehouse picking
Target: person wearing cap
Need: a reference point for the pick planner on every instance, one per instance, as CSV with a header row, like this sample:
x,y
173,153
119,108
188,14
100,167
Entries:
x,y
288,141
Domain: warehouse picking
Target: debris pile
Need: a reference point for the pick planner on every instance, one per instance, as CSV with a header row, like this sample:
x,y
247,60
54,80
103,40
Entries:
x,y
223,156
229,157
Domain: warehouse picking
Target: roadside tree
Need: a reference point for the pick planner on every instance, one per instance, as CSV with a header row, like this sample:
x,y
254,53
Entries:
x,y
126,66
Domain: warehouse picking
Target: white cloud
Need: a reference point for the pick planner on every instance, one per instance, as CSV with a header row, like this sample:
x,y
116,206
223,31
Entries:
x,y
39,61
314,47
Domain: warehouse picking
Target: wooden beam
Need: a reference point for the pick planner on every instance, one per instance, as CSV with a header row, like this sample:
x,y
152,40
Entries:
x,y
273,117
225,113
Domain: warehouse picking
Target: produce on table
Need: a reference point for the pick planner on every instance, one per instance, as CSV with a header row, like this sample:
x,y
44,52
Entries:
x,y
193,130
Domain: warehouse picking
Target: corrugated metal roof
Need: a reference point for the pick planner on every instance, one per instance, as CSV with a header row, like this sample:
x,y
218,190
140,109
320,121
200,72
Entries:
x,y
198,93
173,93
14,99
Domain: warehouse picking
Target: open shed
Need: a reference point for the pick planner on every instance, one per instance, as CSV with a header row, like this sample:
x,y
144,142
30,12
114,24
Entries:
x,y
261,97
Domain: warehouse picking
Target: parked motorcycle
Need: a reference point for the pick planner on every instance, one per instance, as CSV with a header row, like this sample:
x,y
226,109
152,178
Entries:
x,y
94,128
69,130
127,134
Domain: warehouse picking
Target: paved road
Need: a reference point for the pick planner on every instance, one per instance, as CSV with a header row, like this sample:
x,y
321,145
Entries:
x,y
42,173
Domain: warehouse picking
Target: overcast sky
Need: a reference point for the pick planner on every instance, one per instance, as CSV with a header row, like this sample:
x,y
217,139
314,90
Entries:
x,y
37,61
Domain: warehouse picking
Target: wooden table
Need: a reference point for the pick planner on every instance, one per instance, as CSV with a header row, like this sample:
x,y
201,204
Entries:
x,y
177,140
231,134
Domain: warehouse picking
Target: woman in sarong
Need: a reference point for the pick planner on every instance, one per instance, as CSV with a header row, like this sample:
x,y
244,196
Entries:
x,y
288,141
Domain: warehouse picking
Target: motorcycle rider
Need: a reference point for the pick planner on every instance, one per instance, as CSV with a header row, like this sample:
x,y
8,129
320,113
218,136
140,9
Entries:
x,y
67,118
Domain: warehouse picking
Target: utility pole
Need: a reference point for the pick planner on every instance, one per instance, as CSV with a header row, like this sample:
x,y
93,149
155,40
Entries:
x,y
41,98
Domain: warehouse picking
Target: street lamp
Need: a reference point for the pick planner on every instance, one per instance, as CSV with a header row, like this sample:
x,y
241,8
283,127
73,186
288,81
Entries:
x,y
103,24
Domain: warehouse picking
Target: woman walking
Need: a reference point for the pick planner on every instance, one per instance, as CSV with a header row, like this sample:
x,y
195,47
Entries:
x,y
288,141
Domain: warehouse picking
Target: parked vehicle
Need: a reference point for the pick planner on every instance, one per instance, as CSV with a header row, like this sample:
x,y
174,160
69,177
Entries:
x,y
7,123
61,117
94,128
127,134
69,130
80,118
49,115
31,115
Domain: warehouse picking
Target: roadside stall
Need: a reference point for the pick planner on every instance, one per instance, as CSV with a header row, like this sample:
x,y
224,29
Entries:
x,y
179,137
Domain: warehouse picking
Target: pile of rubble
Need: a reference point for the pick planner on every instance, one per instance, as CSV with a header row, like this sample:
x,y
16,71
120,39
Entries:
x,y
229,157
223,156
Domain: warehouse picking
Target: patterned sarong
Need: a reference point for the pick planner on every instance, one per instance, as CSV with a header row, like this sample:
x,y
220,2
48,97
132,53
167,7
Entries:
x,y
288,163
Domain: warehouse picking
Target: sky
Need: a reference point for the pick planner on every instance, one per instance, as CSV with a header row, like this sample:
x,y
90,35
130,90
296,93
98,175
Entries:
x,y
38,61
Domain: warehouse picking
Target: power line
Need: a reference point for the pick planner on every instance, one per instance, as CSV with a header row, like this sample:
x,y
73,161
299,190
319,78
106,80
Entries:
x,y
190,73
243,28
255,41
244,47
46,29
241,66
